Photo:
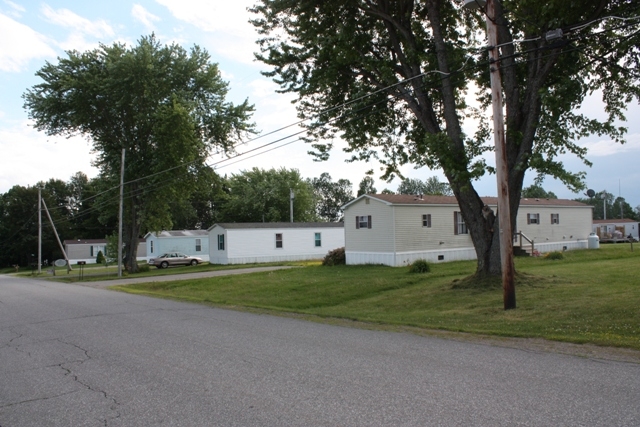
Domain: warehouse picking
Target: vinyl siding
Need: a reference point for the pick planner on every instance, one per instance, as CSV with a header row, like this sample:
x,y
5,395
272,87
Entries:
x,y
259,245
412,236
186,245
575,223
378,238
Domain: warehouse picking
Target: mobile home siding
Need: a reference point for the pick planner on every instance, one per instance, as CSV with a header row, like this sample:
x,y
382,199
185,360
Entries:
x,y
257,245
574,223
379,237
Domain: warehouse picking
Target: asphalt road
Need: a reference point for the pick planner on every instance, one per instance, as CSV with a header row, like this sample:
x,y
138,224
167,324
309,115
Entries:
x,y
80,356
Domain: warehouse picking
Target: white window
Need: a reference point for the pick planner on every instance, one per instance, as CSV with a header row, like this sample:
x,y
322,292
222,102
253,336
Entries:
x,y
318,240
459,227
221,242
279,240
555,218
198,245
533,218
363,221
426,220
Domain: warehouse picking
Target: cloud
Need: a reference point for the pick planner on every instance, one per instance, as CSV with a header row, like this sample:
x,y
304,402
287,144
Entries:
x,y
232,35
607,147
19,44
16,10
80,28
145,17
68,19
29,156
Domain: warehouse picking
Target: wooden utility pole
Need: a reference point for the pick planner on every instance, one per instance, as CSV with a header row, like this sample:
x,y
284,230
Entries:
x,y
120,216
502,170
39,230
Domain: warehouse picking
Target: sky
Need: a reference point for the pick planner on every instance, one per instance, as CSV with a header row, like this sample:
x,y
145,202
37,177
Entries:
x,y
33,32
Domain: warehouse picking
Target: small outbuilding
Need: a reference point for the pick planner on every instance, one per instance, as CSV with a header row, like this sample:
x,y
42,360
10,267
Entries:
x,y
256,242
189,242
397,229
613,230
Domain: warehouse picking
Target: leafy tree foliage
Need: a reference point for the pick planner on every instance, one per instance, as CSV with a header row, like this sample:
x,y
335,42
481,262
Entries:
x,y
19,223
259,195
537,192
431,186
366,186
390,78
616,207
330,197
163,105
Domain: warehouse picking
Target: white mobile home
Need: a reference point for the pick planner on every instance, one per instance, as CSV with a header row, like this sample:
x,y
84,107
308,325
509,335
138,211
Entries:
x,y
244,243
188,242
87,250
615,229
396,230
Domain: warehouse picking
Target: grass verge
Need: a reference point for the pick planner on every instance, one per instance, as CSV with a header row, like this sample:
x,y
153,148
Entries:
x,y
588,297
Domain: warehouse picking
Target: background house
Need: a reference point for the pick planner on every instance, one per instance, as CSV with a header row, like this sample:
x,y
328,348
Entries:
x,y
243,243
396,230
615,229
188,242
87,250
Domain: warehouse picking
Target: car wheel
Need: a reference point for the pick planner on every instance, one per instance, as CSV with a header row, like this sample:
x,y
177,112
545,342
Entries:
x,y
194,262
164,264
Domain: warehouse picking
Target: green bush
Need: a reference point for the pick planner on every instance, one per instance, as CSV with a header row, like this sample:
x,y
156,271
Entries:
x,y
100,258
335,257
419,266
143,268
555,255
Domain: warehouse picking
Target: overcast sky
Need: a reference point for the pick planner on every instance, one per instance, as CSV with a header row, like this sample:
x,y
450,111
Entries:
x,y
32,32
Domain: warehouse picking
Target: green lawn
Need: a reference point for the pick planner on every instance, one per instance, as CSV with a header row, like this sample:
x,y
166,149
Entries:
x,y
588,297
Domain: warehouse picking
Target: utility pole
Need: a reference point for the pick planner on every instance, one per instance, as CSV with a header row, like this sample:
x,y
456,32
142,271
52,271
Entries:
x,y
291,197
39,230
120,216
502,169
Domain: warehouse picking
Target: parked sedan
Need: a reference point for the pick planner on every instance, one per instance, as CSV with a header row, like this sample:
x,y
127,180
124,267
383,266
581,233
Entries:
x,y
174,258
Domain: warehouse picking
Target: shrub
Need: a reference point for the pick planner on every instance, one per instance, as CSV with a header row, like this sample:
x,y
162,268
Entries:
x,y
143,268
335,257
555,255
100,258
419,266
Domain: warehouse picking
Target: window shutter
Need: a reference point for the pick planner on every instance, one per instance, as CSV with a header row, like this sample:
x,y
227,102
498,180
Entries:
x,y
455,222
357,222
528,218
369,221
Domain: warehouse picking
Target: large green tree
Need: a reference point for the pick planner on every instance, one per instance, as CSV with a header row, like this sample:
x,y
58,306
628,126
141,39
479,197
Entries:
x,y
431,186
390,77
163,105
259,195
330,196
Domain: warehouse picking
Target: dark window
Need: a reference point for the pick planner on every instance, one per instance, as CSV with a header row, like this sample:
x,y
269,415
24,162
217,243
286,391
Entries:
x,y
318,240
278,240
363,221
198,245
426,220
221,242
459,227
555,218
533,218
151,246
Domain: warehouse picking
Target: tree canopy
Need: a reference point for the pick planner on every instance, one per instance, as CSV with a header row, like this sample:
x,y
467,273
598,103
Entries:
x,y
163,105
535,191
331,196
390,78
259,195
432,186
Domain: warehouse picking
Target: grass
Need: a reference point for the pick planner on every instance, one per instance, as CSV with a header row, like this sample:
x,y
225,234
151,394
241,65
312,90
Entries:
x,y
590,296
98,272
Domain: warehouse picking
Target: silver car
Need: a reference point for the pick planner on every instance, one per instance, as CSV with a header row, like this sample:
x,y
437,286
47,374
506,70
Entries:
x,y
174,258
